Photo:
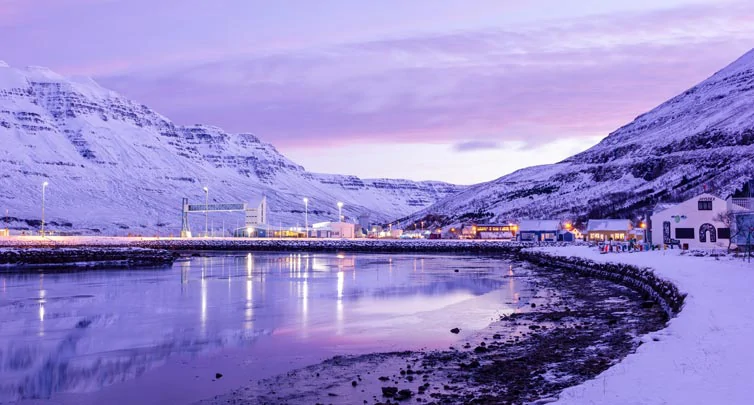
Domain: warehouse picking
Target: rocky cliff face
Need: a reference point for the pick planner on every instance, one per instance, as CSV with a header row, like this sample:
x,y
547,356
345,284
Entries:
x,y
703,138
115,165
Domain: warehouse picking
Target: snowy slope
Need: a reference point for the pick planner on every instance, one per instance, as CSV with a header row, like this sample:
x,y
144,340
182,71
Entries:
x,y
704,356
703,137
116,165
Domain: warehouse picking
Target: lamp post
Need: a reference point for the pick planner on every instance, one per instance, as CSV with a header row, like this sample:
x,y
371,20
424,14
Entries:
x,y
306,216
643,226
206,211
340,211
44,185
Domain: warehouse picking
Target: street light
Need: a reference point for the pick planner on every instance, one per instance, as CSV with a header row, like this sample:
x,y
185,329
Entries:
x,y
306,216
44,185
206,211
340,211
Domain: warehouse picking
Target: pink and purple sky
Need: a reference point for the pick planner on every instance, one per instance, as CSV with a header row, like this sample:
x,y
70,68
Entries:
x,y
444,90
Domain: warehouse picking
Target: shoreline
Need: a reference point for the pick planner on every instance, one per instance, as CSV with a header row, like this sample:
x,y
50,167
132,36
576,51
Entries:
x,y
637,278
28,259
268,244
532,355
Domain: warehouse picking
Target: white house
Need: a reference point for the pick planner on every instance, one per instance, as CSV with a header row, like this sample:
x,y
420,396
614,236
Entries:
x,y
333,230
606,229
692,223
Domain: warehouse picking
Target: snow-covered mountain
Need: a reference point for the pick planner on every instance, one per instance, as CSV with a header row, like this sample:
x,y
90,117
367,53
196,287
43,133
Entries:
x,y
701,138
114,165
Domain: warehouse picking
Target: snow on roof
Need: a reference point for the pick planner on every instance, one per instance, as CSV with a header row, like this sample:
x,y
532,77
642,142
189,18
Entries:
x,y
663,206
539,225
608,225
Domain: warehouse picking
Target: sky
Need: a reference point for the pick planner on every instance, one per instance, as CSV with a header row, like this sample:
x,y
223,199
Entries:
x,y
459,91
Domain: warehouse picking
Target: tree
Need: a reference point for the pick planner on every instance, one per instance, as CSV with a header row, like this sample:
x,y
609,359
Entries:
x,y
745,224
728,218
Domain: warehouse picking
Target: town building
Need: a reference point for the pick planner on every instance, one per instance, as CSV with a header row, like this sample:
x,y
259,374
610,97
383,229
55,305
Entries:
x,y
256,211
467,231
546,230
600,230
365,222
491,231
692,224
742,209
333,230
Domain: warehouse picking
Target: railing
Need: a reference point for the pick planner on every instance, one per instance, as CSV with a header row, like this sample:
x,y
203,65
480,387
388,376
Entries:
x,y
745,203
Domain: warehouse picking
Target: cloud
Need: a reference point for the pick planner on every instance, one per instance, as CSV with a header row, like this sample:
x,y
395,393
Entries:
x,y
532,83
470,146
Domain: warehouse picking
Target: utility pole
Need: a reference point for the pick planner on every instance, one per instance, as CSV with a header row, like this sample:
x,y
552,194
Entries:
x,y
306,216
44,185
206,211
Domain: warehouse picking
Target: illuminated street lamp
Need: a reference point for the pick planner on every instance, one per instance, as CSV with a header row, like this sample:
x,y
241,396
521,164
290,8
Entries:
x,y
340,211
206,211
306,216
44,185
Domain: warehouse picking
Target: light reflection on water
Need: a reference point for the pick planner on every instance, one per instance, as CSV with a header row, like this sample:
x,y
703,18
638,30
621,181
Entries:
x,y
77,332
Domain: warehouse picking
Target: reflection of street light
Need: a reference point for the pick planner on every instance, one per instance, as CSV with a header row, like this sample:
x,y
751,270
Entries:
x,y
44,185
306,216
206,211
249,231
340,211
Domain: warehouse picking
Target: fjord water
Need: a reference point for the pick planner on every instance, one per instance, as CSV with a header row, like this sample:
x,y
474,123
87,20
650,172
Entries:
x,y
161,335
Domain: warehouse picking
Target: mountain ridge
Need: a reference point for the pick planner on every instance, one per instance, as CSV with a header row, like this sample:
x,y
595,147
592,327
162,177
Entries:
x,y
116,166
701,139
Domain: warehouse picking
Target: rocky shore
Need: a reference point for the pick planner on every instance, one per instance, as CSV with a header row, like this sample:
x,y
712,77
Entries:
x,y
344,245
79,258
574,328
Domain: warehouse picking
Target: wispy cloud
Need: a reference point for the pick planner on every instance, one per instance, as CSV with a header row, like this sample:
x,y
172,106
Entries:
x,y
470,146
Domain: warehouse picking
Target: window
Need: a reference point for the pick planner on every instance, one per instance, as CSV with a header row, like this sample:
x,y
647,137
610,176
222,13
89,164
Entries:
x,y
684,233
723,233
705,205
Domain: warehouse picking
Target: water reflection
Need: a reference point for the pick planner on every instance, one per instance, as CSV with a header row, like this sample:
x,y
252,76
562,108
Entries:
x,y
78,332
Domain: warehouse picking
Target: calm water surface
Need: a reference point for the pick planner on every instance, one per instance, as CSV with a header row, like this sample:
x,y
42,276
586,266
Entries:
x,y
155,336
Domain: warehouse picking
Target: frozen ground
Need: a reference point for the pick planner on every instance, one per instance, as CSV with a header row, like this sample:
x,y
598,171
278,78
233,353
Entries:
x,y
705,354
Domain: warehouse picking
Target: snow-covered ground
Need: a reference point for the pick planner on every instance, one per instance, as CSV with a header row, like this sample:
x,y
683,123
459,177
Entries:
x,y
705,354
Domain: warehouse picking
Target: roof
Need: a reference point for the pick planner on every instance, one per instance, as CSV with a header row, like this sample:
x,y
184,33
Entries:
x,y
608,225
663,206
659,208
539,225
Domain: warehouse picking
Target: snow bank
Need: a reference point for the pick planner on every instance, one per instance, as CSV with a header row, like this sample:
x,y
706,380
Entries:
x,y
704,356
